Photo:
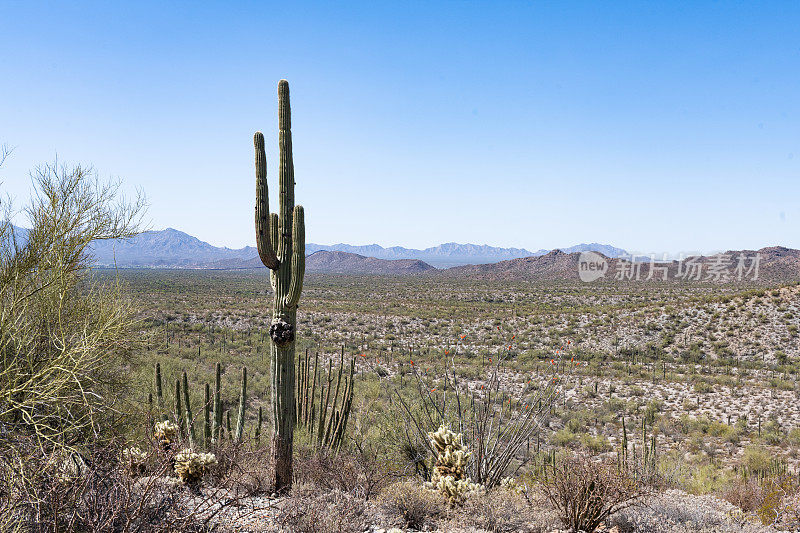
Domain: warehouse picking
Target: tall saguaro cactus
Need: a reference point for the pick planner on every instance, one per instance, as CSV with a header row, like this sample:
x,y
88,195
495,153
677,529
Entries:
x,y
280,238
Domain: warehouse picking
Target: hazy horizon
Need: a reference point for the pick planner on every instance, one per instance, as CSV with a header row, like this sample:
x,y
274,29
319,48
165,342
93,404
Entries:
x,y
659,255
653,128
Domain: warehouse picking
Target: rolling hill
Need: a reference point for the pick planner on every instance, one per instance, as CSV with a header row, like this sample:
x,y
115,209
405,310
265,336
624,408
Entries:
x,y
774,264
347,263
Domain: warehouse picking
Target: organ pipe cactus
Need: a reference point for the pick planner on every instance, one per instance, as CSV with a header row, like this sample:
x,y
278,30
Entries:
x,y
217,429
159,390
280,239
188,410
216,420
242,406
207,416
178,408
326,424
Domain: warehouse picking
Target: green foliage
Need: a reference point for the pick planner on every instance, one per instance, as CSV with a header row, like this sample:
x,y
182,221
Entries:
x,y
63,336
564,437
62,333
595,443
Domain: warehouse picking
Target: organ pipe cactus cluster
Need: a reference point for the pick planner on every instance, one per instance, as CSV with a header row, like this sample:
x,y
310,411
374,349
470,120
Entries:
x,y
649,455
326,420
449,477
214,413
280,239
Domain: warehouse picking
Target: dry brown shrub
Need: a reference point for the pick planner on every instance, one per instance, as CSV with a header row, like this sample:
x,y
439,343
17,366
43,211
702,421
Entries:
x,y
88,492
745,494
586,493
361,475
411,505
790,518
500,510
241,468
308,510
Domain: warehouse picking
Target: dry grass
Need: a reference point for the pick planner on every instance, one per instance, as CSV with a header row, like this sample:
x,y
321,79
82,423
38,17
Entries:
x,y
309,510
359,474
408,504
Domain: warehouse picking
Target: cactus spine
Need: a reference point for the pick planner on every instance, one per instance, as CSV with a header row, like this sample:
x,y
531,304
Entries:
x,y
280,239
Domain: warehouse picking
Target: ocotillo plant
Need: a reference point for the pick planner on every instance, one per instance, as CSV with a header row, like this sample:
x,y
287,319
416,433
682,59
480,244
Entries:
x,y
325,421
280,239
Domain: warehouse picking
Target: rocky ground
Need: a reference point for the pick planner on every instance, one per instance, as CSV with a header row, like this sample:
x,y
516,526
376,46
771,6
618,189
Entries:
x,y
665,512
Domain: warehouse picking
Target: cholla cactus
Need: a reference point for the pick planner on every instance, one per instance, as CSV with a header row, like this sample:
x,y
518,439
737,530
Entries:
x,y
135,459
70,466
509,483
166,432
191,466
449,477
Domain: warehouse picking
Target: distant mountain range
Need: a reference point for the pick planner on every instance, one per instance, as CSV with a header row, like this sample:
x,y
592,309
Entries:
x,y
171,248
454,254
774,264
167,248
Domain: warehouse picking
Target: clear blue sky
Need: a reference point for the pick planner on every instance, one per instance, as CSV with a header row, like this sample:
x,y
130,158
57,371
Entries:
x,y
651,126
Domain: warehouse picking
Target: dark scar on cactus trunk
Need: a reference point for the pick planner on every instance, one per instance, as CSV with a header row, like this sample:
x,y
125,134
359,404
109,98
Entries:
x,y
281,332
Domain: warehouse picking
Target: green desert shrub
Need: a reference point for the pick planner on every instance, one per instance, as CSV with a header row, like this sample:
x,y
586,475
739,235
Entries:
x,y
62,331
757,459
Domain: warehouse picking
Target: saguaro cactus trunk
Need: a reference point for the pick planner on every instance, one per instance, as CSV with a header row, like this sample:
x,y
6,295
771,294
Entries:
x,y
280,239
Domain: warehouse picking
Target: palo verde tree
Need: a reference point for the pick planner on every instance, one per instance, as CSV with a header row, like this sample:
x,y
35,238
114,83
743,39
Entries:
x,y
280,238
64,333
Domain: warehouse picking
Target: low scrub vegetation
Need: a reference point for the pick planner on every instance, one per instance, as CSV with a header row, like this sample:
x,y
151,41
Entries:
x,y
136,401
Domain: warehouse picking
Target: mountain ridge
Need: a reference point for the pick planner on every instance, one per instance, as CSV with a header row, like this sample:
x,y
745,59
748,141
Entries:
x,y
176,249
171,248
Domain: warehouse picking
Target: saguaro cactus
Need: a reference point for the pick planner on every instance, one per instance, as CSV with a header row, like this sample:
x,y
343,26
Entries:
x,y
280,238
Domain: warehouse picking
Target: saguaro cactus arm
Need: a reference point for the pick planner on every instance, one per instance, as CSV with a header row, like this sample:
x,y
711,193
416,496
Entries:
x,y
285,172
298,257
264,241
